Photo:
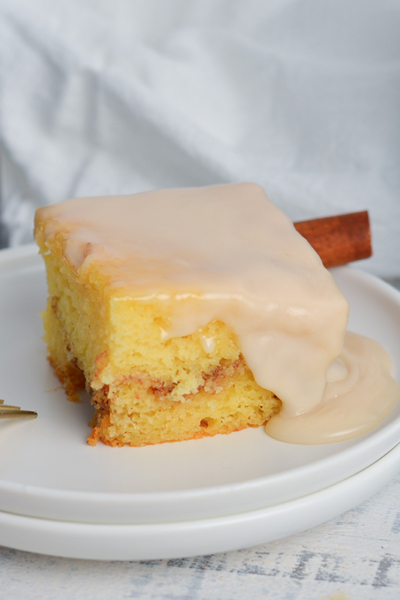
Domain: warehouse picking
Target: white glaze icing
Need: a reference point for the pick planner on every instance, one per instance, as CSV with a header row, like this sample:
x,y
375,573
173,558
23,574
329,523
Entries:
x,y
226,252
207,343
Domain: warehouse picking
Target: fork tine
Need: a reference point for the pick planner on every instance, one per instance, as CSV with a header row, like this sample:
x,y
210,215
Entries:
x,y
14,412
18,414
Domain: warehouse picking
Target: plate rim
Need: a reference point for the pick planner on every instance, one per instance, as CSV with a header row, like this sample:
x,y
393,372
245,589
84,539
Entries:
x,y
28,256
158,541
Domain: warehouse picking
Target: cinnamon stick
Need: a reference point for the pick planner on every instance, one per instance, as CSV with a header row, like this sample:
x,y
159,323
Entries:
x,y
340,239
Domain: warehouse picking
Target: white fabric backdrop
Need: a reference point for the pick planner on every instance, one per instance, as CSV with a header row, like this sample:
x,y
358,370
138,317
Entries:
x,y
114,96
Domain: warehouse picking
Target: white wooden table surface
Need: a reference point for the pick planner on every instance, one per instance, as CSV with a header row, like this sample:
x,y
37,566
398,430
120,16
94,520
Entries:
x,y
354,557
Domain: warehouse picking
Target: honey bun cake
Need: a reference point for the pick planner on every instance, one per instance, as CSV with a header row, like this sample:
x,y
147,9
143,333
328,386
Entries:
x,y
193,312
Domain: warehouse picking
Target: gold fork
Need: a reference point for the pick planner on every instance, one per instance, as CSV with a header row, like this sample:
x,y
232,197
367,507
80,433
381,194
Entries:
x,y
14,412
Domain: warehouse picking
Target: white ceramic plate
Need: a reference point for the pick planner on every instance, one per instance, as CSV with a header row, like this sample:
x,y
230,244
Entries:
x,y
47,470
193,538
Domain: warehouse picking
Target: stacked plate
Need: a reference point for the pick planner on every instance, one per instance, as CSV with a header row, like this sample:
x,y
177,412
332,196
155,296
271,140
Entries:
x,y
60,496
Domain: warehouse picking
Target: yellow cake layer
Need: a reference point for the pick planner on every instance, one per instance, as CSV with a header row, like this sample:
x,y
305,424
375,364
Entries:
x,y
145,390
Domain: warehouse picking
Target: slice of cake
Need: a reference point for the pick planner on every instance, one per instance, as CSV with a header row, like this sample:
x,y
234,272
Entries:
x,y
186,313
